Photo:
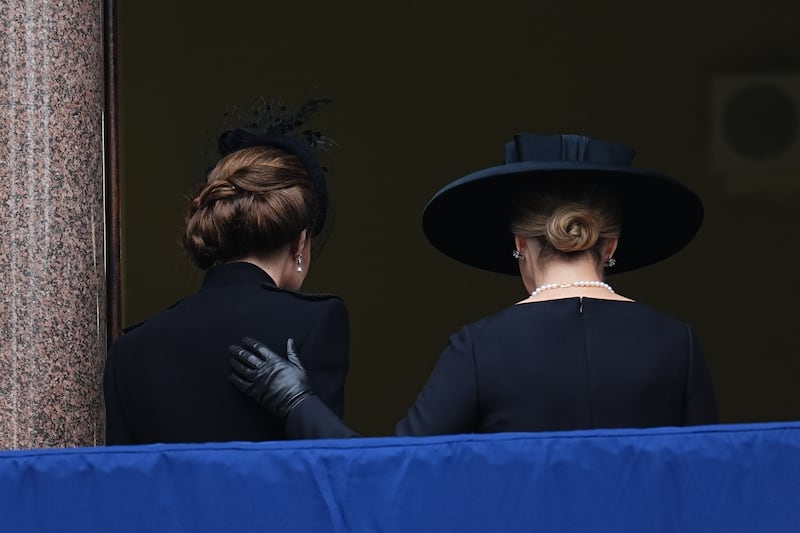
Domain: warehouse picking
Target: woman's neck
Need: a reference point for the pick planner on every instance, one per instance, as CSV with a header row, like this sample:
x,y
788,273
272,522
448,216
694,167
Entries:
x,y
274,265
567,272
562,279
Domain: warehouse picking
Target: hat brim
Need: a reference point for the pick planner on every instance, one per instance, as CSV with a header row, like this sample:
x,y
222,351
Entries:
x,y
467,220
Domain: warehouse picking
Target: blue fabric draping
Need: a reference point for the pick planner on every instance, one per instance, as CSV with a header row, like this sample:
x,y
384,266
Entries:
x,y
726,478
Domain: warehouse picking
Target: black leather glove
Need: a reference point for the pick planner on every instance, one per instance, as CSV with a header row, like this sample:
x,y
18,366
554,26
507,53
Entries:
x,y
277,383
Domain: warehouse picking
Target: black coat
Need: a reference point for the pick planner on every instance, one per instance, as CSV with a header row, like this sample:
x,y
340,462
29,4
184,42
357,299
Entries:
x,y
575,363
166,379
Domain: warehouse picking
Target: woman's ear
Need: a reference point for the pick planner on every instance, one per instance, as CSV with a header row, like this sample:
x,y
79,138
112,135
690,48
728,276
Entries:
x,y
611,248
521,245
301,242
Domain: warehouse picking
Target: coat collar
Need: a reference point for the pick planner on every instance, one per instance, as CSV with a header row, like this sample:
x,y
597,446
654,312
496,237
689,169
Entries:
x,y
235,273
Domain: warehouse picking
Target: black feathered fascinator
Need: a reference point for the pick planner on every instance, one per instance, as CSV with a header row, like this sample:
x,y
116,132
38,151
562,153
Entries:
x,y
277,125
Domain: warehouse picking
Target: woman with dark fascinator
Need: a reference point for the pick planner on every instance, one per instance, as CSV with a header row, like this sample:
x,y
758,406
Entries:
x,y
574,353
251,229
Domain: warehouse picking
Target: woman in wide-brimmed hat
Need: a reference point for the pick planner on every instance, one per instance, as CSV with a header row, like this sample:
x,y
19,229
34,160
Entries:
x,y
573,354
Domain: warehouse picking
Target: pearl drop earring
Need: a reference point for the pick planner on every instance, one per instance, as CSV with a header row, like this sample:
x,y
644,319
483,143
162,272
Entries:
x,y
299,262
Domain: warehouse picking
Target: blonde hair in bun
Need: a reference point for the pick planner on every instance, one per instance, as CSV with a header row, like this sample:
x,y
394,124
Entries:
x,y
572,228
569,217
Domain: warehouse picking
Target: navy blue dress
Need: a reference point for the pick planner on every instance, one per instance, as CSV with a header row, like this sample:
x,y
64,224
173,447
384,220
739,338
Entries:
x,y
574,363
166,379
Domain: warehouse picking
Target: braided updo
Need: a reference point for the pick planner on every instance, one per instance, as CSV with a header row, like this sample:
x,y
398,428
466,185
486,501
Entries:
x,y
567,217
255,201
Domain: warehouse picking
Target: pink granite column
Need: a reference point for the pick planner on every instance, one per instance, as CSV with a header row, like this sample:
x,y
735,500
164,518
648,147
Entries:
x,y
52,280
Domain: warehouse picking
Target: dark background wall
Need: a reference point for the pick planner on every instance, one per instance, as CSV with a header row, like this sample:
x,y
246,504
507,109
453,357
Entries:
x,y
425,92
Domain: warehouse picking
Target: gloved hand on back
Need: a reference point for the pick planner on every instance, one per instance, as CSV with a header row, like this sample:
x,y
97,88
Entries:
x,y
277,383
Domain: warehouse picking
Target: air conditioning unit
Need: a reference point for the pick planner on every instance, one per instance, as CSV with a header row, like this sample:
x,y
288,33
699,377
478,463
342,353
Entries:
x,y
755,131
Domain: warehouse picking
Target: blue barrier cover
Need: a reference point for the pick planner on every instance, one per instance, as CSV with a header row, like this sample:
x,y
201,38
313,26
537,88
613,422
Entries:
x,y
727,478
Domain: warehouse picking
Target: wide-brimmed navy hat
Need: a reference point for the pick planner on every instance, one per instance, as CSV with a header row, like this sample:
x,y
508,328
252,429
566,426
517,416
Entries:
x,y
467,220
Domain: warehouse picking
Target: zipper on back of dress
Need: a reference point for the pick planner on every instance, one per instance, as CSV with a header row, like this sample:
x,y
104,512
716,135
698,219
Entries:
x,y
587,367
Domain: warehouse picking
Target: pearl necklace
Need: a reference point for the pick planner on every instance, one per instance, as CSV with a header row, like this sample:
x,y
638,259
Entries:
x,y
548,286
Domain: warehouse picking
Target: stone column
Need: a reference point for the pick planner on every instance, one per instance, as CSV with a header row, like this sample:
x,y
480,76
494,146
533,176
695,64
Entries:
x,y
52,250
